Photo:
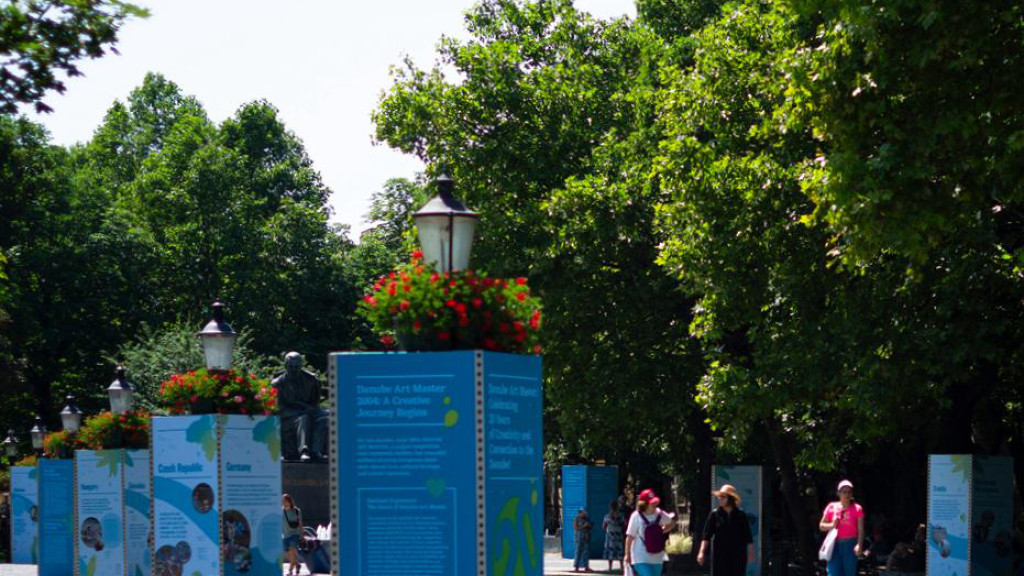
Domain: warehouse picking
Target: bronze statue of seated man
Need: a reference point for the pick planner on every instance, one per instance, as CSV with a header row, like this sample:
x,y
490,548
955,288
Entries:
x,y
303,423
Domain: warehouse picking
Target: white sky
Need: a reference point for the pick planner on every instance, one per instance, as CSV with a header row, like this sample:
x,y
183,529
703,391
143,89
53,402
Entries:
x,y
322,63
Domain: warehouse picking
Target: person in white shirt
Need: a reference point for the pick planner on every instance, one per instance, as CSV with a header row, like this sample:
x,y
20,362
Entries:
x,y
646,536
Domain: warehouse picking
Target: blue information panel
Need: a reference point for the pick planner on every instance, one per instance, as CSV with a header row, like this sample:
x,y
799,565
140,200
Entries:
x,y
99,508
949,507
992,516
24,515
748,481
185,495
592,488
250,449
447,445
512,423
137,512
56,517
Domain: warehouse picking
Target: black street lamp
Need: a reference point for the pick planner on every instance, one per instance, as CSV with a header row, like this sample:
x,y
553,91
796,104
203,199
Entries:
x,y
10,446
120,393
38,434
218,341
446,227
71,416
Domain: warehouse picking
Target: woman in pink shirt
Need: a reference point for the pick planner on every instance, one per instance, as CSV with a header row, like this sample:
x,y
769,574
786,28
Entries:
x,y
848,518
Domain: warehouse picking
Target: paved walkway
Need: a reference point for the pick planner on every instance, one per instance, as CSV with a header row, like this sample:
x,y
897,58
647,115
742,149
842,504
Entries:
x,y
554,565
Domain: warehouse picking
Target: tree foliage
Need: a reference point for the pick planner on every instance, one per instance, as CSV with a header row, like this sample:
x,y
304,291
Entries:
x,y
159,214
41,40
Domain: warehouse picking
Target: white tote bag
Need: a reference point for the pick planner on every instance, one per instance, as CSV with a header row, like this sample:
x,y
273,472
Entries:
x,y
825,553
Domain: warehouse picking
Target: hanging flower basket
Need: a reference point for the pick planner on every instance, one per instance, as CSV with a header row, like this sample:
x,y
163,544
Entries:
x,y
419,309
205,392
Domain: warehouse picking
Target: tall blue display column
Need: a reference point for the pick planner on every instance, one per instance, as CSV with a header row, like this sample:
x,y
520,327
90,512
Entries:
x,y
437,464
24,514
970,515
137,478
592,488
99,512
217,495
112,512
56,517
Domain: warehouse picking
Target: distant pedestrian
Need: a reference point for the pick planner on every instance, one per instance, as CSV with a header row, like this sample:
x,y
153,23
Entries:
x,y
727,534
614,525
646,535
847,517
292,532
581,528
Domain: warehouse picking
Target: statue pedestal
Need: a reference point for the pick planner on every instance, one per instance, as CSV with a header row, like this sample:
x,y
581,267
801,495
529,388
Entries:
x,y
445,445
309,484
217,495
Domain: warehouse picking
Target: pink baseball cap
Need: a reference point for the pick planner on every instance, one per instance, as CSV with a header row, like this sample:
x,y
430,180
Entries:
x,y
845,484
649,497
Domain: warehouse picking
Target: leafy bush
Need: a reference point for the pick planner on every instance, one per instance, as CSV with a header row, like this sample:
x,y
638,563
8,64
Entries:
x,y
428,310
30,460
61,444
156,355
204,392
107,431
679,544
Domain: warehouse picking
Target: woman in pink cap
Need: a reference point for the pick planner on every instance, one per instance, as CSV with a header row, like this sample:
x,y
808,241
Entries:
x,y
847,517
646,536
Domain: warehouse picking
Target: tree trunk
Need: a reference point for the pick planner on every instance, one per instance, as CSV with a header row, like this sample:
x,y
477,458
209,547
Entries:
x,y
700,499
790,484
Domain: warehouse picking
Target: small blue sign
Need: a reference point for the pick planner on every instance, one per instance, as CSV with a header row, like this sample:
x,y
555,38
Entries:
x,y
24,515
56,517
592,488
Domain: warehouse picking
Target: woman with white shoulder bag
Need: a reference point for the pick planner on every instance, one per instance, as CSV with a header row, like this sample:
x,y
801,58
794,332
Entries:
x,y
843,546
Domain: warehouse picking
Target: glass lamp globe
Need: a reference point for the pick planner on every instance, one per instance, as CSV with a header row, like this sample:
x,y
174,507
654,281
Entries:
x,y
218,341
10,445
446,228
120,393
38,433
71,416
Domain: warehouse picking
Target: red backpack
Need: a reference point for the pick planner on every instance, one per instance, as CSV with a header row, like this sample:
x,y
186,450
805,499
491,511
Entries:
x,y
654,537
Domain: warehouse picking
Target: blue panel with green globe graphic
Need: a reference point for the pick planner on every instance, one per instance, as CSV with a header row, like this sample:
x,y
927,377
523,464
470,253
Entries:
x,y
217,495
99,511
24,515
970,515
137,481
449,446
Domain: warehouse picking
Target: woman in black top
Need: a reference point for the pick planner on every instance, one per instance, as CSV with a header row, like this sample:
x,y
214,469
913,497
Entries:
x,y
727,532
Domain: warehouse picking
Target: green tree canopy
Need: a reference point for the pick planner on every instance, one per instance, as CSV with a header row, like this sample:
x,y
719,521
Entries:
x,y
41,40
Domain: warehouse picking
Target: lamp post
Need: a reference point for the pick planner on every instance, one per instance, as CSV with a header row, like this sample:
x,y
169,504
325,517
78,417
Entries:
x,y
38,433
71,416
446,227
218,341
10,448
120,393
